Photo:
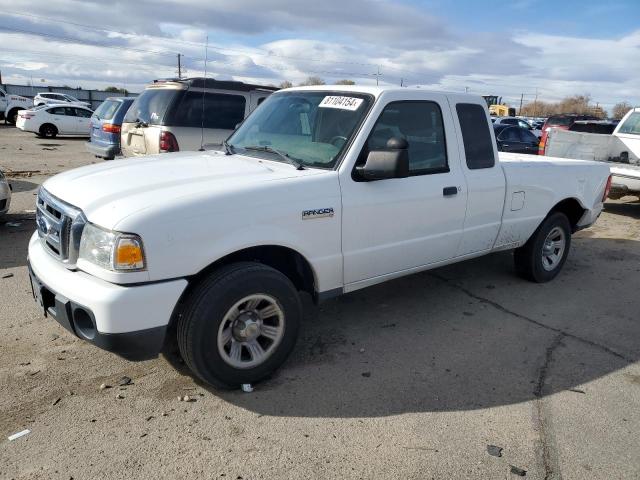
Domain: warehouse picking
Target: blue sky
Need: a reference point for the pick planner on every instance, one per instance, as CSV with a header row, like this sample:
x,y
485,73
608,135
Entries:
x,y
554,48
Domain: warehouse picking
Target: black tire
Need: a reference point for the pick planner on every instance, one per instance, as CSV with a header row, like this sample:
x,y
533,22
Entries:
x,y
203,312
49,131
13,116
529,258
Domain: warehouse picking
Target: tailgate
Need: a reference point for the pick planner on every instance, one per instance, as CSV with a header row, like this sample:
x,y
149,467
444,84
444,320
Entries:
x,y
133,139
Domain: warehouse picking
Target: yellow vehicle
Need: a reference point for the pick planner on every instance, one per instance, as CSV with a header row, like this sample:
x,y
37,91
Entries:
x,y
497,108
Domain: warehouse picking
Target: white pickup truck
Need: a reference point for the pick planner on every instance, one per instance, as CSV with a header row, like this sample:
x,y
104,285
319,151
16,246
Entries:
x,y
323,190
10,105
621,150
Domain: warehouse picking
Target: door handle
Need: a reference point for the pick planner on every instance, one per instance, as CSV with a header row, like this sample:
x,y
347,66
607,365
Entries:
x,y
449,191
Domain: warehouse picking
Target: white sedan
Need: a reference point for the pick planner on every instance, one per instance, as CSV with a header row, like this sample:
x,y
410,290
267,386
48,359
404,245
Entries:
x,y
55,98
52,120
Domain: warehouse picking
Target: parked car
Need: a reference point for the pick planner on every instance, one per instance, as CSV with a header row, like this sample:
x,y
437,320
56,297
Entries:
x,y
562,122
168,116
621,150
5,195
10,105
53,98
602,127
515,139
325,190
106,123
513,121
52,120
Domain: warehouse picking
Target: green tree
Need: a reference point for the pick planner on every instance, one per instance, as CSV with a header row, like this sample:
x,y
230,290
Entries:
x,y
285,84
345,82
112,89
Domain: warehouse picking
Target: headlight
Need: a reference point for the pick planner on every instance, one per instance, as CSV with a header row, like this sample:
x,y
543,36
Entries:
x,y
111,250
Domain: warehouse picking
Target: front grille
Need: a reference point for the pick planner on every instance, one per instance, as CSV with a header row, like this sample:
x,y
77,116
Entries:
x,y
59,227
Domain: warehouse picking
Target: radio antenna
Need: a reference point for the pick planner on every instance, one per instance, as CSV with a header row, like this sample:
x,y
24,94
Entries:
x,y
204,90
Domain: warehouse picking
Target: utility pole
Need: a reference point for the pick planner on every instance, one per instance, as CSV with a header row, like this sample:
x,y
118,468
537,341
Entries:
x,y
466,89
377,74
521,99
179,66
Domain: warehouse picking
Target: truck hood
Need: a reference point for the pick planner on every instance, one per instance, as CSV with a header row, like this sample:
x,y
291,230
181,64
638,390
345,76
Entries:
x,y
111,191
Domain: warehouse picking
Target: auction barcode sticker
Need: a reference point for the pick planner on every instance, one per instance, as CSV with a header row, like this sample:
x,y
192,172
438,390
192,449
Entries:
x,y
343,103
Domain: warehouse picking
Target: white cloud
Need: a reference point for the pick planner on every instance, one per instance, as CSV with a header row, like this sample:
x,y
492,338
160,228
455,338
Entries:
x,y
314,38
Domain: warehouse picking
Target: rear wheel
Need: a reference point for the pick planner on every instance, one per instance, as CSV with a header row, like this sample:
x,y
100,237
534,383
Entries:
x,y
543,256
239,324
48,130
13,116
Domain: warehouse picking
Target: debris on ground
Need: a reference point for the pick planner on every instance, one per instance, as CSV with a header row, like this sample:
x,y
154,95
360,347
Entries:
x,y
366,374
518,471
577,390
104,386
389,325
56,401
119,396
7,275
125,381
15,436
246,387
362,350
494,450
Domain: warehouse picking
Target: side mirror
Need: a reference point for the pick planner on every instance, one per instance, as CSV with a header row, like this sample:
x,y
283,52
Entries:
x,y
393,162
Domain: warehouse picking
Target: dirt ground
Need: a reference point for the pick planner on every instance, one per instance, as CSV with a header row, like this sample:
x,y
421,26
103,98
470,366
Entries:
x,y
416,378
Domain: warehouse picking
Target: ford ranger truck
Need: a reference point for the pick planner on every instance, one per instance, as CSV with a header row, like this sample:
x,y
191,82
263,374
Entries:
x,y
323,190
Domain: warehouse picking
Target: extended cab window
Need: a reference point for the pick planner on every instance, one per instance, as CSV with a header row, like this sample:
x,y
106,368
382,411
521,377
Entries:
x,y
420,123
478,147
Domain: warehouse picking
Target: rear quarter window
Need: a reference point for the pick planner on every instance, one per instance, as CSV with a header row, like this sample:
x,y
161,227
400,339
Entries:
x,y
478,146
221,111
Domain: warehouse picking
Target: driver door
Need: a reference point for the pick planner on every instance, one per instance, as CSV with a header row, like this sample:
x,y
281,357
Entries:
x,y
393,226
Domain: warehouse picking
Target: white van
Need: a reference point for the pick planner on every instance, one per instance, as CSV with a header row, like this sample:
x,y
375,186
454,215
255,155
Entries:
x,y
182,115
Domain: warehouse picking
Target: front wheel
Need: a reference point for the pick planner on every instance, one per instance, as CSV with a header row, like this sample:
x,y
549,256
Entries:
x,y
543,256
49,131
239,324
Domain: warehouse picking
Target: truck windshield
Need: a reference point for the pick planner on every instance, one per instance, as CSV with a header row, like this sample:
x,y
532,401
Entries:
x,y
150,106
631,125
312,128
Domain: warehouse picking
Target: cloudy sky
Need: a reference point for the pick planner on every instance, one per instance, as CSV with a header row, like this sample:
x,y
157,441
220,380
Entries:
x,y
507,48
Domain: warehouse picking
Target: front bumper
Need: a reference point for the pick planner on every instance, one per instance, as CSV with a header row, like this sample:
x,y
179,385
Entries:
x,y
107,151
130,321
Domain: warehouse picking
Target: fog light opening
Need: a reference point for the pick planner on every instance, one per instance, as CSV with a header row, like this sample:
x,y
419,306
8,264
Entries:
x,y
83,324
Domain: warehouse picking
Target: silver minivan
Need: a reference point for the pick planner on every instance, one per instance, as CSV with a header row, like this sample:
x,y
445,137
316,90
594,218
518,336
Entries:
x,y
179,115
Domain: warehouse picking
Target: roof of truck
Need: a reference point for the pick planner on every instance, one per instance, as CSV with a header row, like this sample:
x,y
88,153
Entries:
x,y
374,90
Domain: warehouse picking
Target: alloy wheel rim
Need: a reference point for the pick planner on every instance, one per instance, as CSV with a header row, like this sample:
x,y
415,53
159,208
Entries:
x,y
250,331
553,248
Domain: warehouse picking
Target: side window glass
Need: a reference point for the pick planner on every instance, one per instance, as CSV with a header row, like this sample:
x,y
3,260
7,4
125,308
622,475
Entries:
x,y
70,112
220,110
527,137
420,123
57,111
83,113
478,147
260,100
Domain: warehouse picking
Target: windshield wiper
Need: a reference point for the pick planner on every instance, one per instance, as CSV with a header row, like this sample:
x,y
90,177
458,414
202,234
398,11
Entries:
x,y
285,156
228,148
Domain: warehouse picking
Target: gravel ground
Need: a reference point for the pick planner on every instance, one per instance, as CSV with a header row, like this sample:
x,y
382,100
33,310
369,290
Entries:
x,y
415,378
